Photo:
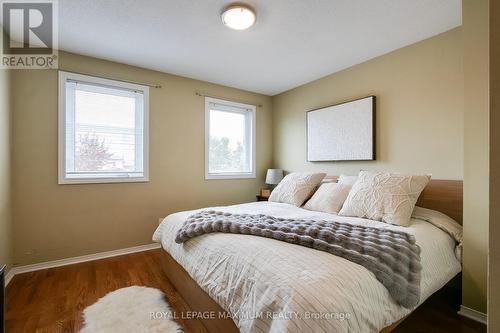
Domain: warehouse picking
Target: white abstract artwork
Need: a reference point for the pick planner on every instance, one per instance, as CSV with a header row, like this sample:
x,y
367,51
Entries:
x,y
342,132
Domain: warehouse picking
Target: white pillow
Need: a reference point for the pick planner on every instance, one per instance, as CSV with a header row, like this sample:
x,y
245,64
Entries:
x,y
296,187
443,222
329,198
385,197
440,220
327,180
347,180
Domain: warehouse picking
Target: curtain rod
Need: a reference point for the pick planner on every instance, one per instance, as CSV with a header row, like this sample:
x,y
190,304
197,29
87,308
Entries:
x,y
227,99
152,85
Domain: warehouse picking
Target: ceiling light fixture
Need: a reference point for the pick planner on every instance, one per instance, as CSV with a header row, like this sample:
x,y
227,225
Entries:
x,y
238,16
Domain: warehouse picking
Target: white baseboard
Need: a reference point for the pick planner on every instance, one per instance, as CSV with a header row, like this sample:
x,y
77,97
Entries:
x,y
473,314
75,260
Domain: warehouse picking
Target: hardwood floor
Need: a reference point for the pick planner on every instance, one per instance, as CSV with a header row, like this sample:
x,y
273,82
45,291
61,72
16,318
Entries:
x,y
438,314
52,300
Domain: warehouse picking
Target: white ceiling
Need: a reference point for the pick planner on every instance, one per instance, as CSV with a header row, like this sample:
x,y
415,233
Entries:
x,y
292,43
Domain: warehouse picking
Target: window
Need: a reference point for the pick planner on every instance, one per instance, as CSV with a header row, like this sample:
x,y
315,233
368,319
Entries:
x,y
229,139
103,130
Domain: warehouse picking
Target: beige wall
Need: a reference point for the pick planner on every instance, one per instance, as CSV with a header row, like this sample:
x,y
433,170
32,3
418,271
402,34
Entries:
x,y
419,110
476,163
5,188
55,221
494,227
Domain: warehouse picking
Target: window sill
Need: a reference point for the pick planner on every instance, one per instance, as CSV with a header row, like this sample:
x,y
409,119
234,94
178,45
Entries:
x,y
74,181
230,176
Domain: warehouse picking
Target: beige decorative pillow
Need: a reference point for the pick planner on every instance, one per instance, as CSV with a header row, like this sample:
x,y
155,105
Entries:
x,y
385,197
329,198
296,187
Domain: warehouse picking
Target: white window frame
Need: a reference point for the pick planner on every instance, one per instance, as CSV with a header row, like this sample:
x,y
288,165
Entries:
x,y
230,175
119,177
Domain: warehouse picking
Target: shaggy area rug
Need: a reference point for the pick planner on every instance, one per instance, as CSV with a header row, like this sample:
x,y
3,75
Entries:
x,y
132,309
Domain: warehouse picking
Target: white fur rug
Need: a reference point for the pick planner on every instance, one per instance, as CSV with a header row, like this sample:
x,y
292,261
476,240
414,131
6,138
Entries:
x,y
132,309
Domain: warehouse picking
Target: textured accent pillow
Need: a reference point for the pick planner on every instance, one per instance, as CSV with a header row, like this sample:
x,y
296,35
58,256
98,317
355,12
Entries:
x,y
296,187
385,197
329,198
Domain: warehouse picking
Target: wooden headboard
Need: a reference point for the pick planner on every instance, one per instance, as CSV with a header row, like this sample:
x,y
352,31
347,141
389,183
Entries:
x,y
445,196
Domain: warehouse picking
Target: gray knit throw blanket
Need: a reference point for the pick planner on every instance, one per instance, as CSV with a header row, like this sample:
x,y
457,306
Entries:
x,y
392,256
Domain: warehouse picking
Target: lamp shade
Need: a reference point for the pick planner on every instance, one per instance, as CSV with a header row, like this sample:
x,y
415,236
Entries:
x,y
274,176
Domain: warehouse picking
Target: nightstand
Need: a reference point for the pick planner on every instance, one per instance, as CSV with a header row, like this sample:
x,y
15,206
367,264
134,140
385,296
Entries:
x,y
261,198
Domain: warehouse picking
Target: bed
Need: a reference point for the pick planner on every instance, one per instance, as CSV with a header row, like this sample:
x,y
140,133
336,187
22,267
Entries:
x,y
241,283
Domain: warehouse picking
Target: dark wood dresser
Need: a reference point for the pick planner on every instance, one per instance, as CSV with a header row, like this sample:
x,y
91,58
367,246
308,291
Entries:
x,y
2,298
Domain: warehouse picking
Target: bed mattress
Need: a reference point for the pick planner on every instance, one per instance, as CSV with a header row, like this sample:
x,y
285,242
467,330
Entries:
x,y
272,286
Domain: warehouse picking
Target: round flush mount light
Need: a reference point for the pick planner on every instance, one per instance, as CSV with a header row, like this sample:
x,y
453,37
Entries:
x,y
238,16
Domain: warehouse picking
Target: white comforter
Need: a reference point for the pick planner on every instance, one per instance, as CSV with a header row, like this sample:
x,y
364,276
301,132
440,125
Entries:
x,y
273,286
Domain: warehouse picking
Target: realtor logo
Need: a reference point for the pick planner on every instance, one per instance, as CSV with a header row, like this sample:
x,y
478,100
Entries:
x,y
29,38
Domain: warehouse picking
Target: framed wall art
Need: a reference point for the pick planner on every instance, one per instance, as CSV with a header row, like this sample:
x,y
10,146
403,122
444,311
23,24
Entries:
x,y
342,132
